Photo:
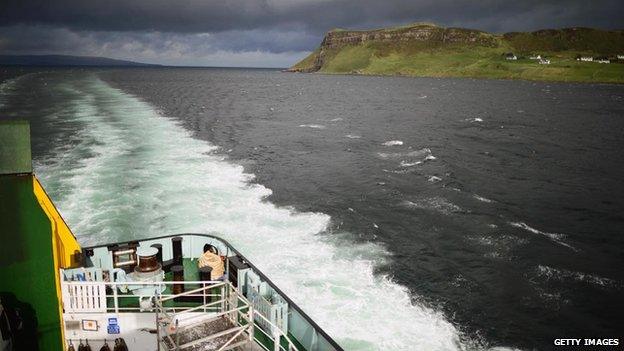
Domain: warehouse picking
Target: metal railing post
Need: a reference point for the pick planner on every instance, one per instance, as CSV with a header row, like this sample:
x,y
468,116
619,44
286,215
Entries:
x,y
157,329
204,295
177,335
276,339
251,322
115,299
223,298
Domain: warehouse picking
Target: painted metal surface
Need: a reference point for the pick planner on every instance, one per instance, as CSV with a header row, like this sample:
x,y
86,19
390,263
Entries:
x,y
27,266
15,155
36,243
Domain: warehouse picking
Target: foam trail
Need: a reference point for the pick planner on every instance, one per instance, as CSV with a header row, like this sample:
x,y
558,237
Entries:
x,y
136,174
435,203
564,274
555,237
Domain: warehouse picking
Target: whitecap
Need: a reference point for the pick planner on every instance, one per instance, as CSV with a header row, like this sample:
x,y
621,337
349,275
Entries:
x,y
434,179
313,126
409,164
474,120
352,136
482,199
397,171
412,154
393,143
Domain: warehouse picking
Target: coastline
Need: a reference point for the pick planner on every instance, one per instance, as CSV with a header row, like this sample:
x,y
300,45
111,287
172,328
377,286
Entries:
x,y
400,75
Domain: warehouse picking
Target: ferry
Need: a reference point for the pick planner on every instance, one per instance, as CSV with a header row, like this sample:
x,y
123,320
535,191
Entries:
x,y
138,295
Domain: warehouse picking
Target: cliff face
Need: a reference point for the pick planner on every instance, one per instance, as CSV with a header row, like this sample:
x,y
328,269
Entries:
x,y
430,35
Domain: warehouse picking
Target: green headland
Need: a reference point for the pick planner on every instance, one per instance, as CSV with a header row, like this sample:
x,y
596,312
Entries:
x,y
427,50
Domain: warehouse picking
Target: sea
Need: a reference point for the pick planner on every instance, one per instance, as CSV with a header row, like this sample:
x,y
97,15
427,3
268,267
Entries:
x,y
399,213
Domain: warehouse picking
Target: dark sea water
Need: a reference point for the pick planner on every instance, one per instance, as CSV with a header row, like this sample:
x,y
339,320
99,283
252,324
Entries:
x,y
402,213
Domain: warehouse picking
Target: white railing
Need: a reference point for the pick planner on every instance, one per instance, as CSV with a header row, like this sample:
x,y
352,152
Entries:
x,y
84,297
277,313
91,297
276,336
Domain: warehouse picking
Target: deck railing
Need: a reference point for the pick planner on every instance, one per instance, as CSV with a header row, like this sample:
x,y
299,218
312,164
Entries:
x,y
212,299
92,297
232,308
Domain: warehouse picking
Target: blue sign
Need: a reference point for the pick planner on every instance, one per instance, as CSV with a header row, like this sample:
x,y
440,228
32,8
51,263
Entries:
x,y
113,327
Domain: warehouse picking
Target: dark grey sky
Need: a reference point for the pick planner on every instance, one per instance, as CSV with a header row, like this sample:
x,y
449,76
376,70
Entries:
x,y
268,33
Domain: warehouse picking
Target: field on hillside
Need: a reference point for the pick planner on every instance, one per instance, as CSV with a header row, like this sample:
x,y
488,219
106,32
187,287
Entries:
x,y
461,61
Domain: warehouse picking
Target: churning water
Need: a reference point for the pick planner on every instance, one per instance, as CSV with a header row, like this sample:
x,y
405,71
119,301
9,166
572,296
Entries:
x,y
401,214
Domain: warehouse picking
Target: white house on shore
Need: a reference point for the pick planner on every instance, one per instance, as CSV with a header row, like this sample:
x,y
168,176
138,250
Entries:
x,y
586,58
602,60
510,56
620,57
535,57
544,61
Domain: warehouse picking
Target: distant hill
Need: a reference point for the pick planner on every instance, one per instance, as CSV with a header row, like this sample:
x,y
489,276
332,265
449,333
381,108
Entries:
x,y
64,60
424,49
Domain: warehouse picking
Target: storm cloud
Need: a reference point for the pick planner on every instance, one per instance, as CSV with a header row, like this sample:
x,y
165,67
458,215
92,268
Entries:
x,y
267,32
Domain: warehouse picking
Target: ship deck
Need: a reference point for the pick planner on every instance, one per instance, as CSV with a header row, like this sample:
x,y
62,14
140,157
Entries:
x,y
191,273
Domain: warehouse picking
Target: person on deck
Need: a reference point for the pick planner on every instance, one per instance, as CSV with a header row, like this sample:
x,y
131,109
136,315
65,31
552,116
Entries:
x,y
212,259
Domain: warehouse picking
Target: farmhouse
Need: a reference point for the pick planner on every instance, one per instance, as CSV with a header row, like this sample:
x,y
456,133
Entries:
x,y
510,56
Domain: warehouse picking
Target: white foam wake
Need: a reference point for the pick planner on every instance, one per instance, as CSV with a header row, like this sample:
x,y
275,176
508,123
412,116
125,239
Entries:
x,y
133,173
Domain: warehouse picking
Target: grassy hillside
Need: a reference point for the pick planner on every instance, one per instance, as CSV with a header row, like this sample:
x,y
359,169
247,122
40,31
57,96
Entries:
x,y
430,53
